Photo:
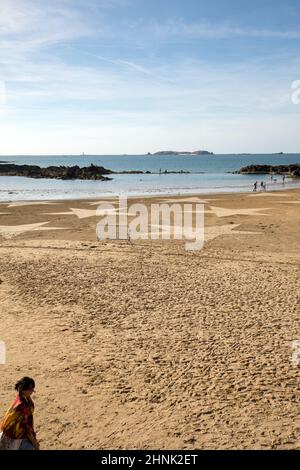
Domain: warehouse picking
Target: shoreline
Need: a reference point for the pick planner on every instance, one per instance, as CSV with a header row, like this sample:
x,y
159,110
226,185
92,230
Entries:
x,y
154,195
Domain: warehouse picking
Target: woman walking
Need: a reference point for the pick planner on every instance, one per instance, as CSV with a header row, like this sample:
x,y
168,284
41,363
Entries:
x,y
16,429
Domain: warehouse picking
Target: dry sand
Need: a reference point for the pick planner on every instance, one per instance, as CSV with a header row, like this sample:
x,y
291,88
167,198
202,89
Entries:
x,y
145,345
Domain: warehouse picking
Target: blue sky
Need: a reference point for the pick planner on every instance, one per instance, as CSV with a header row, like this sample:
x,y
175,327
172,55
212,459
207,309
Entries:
x,y
132,76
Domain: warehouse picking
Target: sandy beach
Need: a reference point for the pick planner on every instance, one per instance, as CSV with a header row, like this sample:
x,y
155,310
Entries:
x,y
142,344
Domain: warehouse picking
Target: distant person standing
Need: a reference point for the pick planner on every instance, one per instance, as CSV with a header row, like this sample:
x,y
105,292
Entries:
x,y
255,187
283,179
262,186
17,431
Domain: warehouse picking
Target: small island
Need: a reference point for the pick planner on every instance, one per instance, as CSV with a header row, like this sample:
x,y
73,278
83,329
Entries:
x,y
173,152
292,170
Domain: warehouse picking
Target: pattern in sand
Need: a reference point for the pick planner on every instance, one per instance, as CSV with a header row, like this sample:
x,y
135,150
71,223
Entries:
x,y
143,345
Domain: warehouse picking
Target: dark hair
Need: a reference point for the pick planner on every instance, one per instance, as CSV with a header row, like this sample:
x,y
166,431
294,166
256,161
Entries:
x,y
26,383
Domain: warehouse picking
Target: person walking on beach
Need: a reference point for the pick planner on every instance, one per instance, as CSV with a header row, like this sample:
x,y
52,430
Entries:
x,y
262,187
16,429
283,179
255,187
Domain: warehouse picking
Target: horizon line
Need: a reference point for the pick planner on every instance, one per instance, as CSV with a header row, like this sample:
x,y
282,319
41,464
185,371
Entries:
x,y
138,154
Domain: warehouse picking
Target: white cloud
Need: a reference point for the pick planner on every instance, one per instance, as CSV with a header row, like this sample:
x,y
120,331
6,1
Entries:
x,y
27,25
180,29
2,94
182,88
123,104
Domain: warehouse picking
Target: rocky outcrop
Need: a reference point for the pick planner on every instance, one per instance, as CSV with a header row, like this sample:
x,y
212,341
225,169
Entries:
x,y
91,172
292,169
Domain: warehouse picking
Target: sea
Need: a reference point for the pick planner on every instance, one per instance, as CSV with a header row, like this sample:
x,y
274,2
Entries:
x,y
207,174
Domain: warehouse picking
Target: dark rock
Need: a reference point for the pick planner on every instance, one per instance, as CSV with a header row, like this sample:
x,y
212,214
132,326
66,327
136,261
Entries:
x,y
292,169
91,172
